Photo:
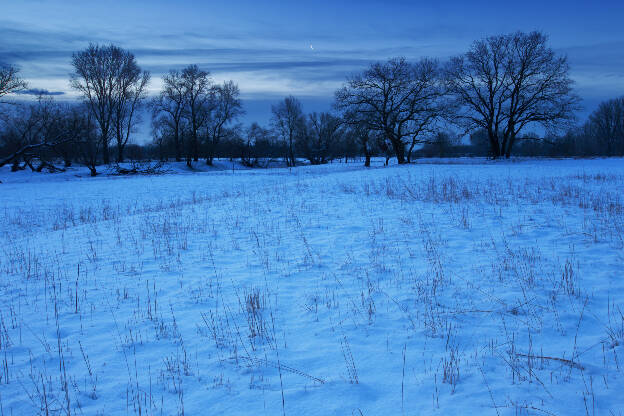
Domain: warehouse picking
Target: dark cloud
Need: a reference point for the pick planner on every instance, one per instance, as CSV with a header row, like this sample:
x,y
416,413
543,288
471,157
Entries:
x,y
38,91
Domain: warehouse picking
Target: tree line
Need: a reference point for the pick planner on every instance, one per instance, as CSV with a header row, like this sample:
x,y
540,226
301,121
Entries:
x,y
497,93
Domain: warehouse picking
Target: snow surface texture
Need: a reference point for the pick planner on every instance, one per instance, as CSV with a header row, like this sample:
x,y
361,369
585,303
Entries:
x,y
461,287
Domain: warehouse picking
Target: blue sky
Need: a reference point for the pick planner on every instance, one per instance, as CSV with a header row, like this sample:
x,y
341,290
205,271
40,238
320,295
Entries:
x,y
272,49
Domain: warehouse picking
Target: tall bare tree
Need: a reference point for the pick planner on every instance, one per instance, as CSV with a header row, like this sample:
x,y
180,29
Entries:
x,y
197,88
104,75
133,91
226,107
506,83
396,98
288,122
168,108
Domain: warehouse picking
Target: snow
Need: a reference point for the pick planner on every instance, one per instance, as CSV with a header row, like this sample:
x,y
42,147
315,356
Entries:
x,y
456,286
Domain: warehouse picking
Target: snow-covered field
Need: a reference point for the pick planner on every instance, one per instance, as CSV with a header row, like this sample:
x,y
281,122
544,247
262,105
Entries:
x,y
459,287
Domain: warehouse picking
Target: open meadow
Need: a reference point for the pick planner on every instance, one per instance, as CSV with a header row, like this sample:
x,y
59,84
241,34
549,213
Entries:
x,y
462,286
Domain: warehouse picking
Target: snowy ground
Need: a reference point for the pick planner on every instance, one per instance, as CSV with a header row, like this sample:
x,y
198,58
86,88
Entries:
x,y
459,287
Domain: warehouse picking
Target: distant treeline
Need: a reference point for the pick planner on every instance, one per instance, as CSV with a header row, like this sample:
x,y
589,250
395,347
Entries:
x,y
484,102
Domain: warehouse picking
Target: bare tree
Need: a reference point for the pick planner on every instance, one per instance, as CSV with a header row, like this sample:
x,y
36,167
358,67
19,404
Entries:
x,y
105,75
163,137
288,122
606,126
132,92
74,124
259,146
505,83
168,108
197,87
20,138
395,98
254,136
358,131
10,82
226,107
323,133
89,145
37,133
366,139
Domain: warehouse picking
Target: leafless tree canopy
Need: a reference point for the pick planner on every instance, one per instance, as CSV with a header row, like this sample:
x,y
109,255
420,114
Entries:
x,y
253,135
606,126
225,107
10,81
505,83
112,84
289,122
191,112
125,117
324,130
168,110
197,88
37,133
397,98
500,91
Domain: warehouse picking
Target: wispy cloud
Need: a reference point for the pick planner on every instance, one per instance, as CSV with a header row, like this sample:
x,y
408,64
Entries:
x,y
265,47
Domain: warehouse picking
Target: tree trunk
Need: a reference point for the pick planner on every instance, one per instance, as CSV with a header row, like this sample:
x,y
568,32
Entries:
x,y
120,153
503,147
105,153
367,160
178,153
210,152
399,150
291,154
510,144
409,152
494,147
195,148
